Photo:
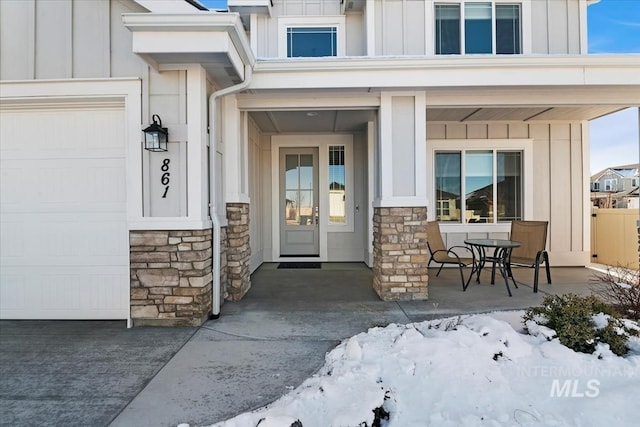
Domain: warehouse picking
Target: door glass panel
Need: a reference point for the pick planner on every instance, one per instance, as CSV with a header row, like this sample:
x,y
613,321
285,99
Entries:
x,y
479,186
306,171
299,200
306,207
291,174
291,209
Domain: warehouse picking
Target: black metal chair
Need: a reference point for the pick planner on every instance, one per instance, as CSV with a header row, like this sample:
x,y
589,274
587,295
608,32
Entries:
x,y
531,253
441,255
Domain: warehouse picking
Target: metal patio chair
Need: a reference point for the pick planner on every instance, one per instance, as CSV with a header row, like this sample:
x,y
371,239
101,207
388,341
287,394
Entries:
x,y
441,255
532,252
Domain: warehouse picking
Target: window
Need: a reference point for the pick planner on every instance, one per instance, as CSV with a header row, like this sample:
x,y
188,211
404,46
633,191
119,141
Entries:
x,y
311,41
611,184
311,36
337,185
596,186
491,181
478,28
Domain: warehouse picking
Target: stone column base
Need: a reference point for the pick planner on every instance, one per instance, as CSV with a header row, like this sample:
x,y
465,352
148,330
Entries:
x,y
170,277
238,251
400,253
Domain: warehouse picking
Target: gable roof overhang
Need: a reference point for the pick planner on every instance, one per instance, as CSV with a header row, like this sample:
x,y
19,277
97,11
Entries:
x,y
215,40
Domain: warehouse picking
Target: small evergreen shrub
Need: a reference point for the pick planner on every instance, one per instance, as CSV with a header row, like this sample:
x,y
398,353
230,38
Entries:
x,y
572,317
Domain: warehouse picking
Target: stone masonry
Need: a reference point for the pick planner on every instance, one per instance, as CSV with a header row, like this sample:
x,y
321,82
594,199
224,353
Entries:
x,y
238,250
400,253
170,277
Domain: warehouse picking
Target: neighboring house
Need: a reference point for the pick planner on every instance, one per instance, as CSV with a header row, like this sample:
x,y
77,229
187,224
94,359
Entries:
x,y
322,130
616,187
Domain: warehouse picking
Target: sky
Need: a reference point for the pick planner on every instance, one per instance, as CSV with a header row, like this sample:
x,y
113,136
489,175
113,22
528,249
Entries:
x,y
613,27
478,370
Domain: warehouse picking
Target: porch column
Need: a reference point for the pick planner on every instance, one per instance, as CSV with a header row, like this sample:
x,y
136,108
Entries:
x,y
238,248
400,208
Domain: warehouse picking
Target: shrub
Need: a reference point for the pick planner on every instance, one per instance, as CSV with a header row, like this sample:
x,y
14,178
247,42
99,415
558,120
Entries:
x,y
572,317
619,287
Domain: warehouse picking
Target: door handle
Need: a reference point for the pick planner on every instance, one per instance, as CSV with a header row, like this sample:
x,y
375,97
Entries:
x,y
316,216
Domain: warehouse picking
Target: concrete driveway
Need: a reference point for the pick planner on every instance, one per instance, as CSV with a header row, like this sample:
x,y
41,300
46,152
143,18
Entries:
x,y
100,373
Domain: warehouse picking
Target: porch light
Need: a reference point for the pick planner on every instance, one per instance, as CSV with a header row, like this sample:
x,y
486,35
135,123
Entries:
x,y
155,136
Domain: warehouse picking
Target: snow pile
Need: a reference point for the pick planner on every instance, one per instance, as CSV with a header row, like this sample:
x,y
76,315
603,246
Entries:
x,y
462,371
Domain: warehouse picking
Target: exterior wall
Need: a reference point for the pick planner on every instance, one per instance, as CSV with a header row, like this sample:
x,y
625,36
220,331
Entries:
x,y
170,277
266,34
93,42
556,27
400,254
406,27
256,195
558,183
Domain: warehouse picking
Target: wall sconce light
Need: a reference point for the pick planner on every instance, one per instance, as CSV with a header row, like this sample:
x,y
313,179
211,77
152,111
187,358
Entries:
x,y
155,136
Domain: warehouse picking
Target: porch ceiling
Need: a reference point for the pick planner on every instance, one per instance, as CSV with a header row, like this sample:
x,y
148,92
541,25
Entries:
x,y
332,120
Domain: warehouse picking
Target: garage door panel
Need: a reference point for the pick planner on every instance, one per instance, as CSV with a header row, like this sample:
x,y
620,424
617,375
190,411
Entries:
x,y
78,185
53,292
65,241
47,134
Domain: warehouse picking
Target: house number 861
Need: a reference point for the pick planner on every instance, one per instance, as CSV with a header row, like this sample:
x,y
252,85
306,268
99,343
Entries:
x,y
165,179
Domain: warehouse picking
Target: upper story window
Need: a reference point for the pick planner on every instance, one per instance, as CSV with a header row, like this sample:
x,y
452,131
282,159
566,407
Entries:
x,y
316,36
478,28
311,41
611,184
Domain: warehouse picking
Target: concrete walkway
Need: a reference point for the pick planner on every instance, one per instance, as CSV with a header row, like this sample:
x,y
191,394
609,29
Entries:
x,y
255,352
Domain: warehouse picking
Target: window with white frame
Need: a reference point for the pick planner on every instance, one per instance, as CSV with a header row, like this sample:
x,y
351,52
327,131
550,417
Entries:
x,y
477,27
320,36
479,183
611,184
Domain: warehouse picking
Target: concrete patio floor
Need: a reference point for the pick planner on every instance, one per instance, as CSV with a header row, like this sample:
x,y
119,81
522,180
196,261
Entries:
x,y
99,373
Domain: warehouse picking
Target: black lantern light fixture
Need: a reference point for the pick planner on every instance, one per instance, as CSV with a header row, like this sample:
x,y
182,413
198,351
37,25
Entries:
x,y
155,136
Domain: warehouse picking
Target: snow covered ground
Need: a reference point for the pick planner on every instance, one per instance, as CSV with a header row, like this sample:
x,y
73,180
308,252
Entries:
x,y
461,371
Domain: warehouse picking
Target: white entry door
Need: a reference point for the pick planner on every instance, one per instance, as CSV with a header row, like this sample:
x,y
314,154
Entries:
x,y
65,244
299,216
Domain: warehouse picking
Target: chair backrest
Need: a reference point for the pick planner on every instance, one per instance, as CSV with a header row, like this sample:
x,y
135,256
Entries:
x,y
434,238
533,238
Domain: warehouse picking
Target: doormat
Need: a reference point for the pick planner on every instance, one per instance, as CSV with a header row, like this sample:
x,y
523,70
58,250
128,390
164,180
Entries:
x,y
299,265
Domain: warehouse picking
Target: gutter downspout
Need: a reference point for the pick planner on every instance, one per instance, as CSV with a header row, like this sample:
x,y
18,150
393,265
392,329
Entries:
x,y
216,291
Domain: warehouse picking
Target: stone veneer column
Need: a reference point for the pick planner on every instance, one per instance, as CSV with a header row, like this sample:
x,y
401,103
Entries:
x,y
170,277
400,253
238,250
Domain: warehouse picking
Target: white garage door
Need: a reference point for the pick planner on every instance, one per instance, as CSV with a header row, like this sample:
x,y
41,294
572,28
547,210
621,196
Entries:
x,y
64,239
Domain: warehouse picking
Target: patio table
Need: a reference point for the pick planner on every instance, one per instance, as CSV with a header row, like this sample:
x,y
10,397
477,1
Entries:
x,y
500,258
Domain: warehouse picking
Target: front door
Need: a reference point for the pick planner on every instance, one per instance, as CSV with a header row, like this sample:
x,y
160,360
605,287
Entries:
x,y
299,228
